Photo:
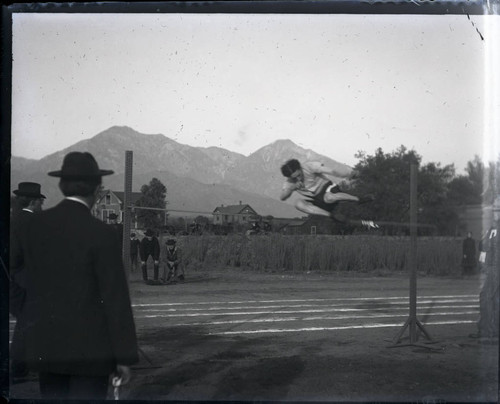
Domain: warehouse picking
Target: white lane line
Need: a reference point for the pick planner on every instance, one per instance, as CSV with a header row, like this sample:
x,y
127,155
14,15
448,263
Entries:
x,y
392,304
304,300
247,313
316,318
313,318
349,327
337,328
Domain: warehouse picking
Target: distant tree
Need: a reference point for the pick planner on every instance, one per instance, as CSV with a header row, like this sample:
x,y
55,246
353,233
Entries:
x,y
178,224
202,220
434,205
153,196
387,177
468,189
492,182
480,185
476,172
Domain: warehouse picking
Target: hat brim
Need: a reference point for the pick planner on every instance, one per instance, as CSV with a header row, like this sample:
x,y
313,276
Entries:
x,y
27,194
61,174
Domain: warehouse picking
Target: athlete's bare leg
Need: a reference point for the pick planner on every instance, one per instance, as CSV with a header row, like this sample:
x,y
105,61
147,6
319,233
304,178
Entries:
x,y
309,208
339,196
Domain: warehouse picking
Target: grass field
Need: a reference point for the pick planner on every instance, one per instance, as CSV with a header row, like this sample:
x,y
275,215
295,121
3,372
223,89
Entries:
x,y
239,334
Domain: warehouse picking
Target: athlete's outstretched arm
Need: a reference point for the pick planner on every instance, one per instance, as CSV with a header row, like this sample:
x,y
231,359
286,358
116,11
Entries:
x,y
286,192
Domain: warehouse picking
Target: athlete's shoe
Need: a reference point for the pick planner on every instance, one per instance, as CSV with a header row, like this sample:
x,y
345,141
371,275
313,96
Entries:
x,y
366,198
370,224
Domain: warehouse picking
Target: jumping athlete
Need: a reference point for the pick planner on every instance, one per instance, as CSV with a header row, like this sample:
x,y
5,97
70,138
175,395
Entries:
x,y
322,195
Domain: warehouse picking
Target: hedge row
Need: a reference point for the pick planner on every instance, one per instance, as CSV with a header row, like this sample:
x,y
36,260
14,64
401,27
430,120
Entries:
x,y
435,255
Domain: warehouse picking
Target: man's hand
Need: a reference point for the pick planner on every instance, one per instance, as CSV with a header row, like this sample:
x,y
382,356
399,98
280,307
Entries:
x,y
124,373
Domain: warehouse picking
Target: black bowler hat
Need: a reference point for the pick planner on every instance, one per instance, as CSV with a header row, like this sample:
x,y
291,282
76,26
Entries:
x,y
170,241
149,233
78,165
29,189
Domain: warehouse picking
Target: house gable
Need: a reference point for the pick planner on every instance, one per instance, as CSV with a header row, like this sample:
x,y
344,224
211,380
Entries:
x,y
233,213
135,196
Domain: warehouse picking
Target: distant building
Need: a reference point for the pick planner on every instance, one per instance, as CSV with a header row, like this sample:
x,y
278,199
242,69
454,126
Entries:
x,y
109,202
311,225
241,213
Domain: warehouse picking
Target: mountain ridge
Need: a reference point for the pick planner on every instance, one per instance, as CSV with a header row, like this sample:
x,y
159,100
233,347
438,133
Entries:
x,y
200,177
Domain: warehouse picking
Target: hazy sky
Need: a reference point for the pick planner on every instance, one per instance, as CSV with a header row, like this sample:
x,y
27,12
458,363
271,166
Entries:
x,y
336,84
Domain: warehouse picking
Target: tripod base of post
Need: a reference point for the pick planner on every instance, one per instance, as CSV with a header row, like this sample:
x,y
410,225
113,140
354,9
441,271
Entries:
x,y
412,324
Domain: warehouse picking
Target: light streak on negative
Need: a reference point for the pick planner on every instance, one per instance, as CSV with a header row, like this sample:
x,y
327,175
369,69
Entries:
x,y
338,328
317,318
307,300
305,305
326,310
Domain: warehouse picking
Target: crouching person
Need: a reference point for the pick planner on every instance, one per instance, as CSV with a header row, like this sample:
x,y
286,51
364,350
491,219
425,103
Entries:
x,y
171,262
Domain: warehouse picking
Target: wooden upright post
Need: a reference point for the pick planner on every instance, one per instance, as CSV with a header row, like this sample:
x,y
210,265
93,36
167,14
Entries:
x,y
127,212
413,252
412,323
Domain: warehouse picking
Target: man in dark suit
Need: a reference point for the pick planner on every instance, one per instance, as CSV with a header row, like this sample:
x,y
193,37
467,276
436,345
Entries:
x,y
150,247
80,328
113,222
134,250
469,255
28,200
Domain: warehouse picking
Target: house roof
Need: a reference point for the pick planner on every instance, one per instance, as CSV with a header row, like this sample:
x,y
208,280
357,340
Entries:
x,y
134,196
234,209
296,224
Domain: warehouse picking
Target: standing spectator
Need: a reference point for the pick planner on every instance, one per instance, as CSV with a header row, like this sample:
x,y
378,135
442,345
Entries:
x,y
113,222
489,297
482,247
134,251
80,328
171,263
149,247
468,255
28,200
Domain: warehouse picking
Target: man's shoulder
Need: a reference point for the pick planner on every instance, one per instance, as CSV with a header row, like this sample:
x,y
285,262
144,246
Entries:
x,y
313,166
21,216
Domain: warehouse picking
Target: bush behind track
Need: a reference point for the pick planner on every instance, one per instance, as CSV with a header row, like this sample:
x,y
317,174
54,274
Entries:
x,y
275,252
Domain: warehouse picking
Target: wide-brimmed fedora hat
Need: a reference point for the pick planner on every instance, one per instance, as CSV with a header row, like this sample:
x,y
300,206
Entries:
x,y
79,165
149,233
29,189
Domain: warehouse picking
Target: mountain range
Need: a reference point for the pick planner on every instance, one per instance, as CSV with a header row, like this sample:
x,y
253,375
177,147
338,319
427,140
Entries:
x,y
197,178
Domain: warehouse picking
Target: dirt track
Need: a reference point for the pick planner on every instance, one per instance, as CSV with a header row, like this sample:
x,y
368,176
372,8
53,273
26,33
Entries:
x,y
236,335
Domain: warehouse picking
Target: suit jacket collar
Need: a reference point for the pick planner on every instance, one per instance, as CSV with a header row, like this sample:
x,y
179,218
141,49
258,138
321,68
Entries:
x,y
72,204
79,200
